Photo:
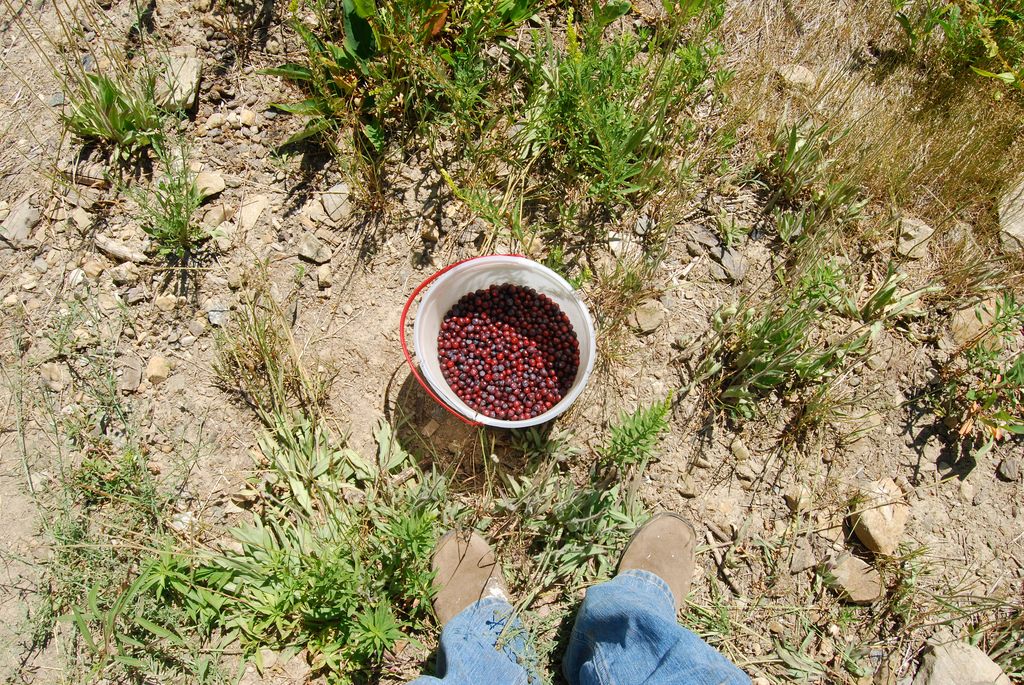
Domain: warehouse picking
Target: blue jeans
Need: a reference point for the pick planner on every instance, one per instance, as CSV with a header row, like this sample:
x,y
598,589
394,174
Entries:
x,y
625,634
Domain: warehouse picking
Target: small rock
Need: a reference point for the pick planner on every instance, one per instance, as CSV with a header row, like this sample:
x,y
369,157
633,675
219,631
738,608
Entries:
x,y
1009,469
798,498
739,450
312,250
913,239
18,225
958,663
135,295
881,516
336,202
5,210
624,247
108,302
57,99
970,323
797,77
178,84
117,250
52,374
217,215
215,120
694,249
234,278
854,579
157,370
251,210
1011,218
93,268
702,236
687,487
218,314
430,428
131,375
124,274
324,276
209,183
729,264
184,522
165,303
247,117
803,556
648,316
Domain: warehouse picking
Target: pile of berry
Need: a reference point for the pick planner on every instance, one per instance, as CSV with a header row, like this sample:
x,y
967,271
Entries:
x,y
508,352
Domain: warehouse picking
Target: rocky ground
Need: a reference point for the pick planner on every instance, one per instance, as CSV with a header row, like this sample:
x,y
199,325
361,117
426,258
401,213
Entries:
x,y
883,488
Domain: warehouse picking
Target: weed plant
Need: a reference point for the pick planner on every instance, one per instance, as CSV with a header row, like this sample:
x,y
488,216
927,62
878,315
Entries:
x,y
985,35
168,207
982,385
117,112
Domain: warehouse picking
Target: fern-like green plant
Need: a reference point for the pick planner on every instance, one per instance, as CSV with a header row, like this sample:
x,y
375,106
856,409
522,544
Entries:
x,y
633,439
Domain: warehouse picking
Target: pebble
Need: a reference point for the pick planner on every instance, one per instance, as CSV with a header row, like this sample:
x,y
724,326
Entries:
x,y
312,250
797,77
209,183
52,374
131,375
648,316
336,202
1009,469
854,580
157,370
124,274
93,268
739,449
729,264
881,516
913,238
165,303
686,487
135,295
217,314
40,265
324,276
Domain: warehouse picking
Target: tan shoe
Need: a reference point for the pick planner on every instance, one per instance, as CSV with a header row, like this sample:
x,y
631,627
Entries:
x,y
664,546
464,571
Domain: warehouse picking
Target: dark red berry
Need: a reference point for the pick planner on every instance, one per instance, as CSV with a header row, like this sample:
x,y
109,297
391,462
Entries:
x,y
508,351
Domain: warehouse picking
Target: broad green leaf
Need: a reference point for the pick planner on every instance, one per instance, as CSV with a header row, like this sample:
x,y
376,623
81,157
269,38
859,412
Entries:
x,y
294,72
308,107
365,8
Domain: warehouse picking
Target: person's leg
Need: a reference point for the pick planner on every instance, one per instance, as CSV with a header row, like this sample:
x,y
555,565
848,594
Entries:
x,y
482,641
626,630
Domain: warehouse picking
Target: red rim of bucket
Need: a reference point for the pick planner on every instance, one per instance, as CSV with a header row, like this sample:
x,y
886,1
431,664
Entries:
x,y
405,348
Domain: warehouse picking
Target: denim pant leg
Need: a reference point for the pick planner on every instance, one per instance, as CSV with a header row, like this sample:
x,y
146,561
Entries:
x,y
626,634
485,644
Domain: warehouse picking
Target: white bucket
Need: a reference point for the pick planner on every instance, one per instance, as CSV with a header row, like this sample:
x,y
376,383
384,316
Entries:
x,y
475,274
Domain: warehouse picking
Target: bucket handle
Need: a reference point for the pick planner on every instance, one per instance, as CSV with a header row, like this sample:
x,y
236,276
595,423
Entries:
x,y
405,348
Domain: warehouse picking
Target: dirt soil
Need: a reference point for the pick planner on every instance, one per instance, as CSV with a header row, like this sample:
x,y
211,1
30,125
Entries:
x,y
733,483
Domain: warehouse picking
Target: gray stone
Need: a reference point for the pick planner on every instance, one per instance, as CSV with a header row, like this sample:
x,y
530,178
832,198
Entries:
x,y
729,264
131,375
124,274
18,225
312,250
1011,218
1009,469
686,487
913,239
178,84
648,316
803,556
217,314
881,516
854,580
336,203
57,99
797,77
958,663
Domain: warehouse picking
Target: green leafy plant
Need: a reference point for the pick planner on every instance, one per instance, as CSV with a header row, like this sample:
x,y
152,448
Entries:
x,y
168,207
634,437
982,385
119,112
985,35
